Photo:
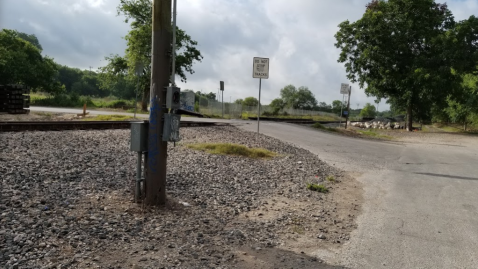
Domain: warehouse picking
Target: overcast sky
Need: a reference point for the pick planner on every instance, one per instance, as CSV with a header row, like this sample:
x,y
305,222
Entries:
x,y
297,36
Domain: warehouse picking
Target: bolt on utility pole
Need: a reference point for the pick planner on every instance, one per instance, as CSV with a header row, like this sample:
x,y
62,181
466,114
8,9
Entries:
x,y
155,187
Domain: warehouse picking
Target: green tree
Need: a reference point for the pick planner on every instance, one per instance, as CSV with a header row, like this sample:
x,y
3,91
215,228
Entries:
x,y
368,111
463,106
301,98
404,50
239,101
288,95
338,106
67,76
323,106
139,43
250,101
115,78
277,105
22,63
30,38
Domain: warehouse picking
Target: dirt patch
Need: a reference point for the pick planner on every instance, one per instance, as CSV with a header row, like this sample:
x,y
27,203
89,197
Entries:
x,y
309,227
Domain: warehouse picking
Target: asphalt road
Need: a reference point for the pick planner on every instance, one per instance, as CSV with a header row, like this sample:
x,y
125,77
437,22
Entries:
x,y
421,200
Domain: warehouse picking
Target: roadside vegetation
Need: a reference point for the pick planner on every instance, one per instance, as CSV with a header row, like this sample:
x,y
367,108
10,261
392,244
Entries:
x,y
233,149
322,127
317,187
374,133
109,118
351,131
330,178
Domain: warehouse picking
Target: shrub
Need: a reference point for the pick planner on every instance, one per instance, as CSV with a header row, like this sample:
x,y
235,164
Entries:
x,y
317,187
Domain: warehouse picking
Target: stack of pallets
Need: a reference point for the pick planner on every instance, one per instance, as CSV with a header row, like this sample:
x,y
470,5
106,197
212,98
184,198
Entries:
x,y
14,99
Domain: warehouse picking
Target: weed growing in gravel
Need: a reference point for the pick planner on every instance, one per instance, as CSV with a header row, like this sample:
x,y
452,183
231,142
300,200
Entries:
x,y
317,187
109,118
330,178
374,133
317,125
233,149
44,114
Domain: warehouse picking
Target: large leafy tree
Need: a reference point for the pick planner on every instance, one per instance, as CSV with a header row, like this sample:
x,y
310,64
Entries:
x,y
82,82
405,50
139,12
116,78
338,106
301,98
30,38
277,105
250,101
21,62
368,111
323,106
463,105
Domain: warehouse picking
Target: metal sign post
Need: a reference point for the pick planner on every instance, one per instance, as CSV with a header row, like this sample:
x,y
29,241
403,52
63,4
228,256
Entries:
x,y
139,72
348,108
221,87
260,70
344,89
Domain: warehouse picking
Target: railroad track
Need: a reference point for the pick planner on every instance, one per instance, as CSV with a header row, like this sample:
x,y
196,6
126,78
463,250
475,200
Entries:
x,y
17,126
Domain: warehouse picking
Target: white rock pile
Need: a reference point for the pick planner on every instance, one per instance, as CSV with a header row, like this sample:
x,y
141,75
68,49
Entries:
x,y
377,124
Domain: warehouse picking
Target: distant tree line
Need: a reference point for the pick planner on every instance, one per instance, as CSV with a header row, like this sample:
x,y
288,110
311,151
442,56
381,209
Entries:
x,y
21,61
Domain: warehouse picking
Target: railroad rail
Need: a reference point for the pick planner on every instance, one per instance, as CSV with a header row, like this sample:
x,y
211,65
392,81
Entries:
x,y
18,126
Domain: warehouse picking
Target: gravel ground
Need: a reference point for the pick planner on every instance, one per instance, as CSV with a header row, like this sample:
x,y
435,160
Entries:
x,y
66,201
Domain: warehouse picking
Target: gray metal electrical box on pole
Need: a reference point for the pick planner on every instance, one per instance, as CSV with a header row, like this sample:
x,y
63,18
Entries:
x,y
173,98
171,128
139,143
139,137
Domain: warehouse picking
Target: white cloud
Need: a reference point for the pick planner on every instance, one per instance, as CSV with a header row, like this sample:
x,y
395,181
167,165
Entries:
x,y
298,37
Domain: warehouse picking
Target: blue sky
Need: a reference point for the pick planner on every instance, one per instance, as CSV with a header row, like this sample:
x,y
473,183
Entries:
x,y
297,36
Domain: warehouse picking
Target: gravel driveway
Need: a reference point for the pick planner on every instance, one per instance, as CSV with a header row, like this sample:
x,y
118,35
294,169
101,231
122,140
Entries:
x,y
66,202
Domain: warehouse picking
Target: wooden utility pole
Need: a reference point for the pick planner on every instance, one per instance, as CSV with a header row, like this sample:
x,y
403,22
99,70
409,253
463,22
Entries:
x,y
155,187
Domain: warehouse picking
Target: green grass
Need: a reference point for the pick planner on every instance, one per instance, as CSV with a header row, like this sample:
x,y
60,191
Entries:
x,y
374,134
233,149
322,127
451,129
44,114
109,118
330,178
139,111
317,187
72,100
246,115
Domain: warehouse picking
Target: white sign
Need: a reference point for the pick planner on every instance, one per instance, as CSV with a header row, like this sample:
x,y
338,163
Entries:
x,y
260,68
344,88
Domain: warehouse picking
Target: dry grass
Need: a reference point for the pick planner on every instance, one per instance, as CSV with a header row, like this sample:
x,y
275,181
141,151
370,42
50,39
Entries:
x,y
374,134
109,118
233,149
